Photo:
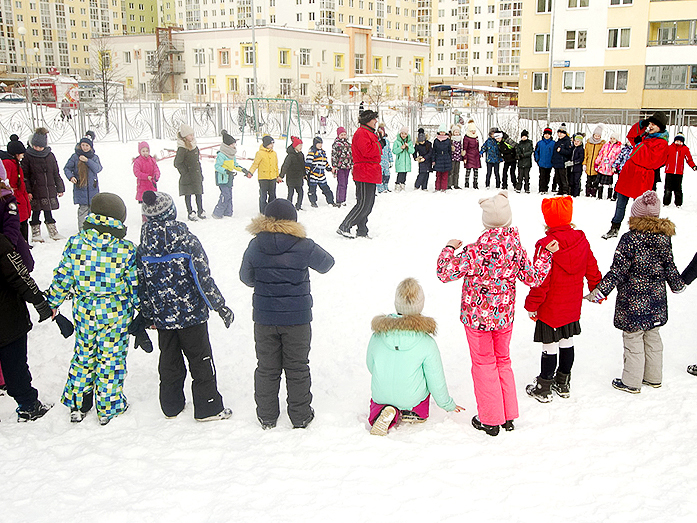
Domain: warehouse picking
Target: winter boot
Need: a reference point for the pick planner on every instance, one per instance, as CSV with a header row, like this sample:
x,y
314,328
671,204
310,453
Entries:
x,y
562,384
36,234
383,422
619,385
613,232
491,430
192,216
53,232
223,414
540,389
692,369
409,416
474,180
508,426
33,412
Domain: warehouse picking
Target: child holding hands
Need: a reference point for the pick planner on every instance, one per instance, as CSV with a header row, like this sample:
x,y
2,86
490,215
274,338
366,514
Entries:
x,y
405,363
490,267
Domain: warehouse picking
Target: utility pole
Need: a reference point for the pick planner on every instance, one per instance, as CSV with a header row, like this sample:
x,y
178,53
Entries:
x,y
551,63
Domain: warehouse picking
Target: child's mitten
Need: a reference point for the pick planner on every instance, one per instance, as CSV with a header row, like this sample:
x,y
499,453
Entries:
x,y
142,340
65,325
227,315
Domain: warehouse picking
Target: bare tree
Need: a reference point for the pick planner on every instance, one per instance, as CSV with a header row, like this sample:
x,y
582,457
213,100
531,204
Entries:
x,y
109,80
377,93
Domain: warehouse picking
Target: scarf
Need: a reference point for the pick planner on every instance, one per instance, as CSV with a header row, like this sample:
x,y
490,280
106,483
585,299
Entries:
x,y
229,150
593,141
38,154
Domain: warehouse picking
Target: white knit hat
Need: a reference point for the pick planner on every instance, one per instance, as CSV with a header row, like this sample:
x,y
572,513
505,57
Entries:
x,y
496,211
409,298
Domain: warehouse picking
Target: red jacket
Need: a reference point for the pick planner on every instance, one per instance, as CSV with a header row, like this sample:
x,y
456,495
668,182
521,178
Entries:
x,y
16,178
366,151
649,154
558,300
676,156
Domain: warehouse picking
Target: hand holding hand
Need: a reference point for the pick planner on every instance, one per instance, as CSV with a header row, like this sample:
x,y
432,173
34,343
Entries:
x,y
454,243
532,315
595,296
73,180
552,246
44,311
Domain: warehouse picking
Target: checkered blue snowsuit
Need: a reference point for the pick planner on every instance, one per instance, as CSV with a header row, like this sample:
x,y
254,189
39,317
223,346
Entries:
x,y
99,271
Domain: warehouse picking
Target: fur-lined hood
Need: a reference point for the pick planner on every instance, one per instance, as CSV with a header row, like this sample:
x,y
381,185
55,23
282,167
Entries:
x,y
395,322
651,224
266,224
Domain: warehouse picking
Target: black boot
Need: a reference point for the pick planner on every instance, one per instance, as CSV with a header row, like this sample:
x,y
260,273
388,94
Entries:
x,y
613,232
540,389
474,180
491,430
562,384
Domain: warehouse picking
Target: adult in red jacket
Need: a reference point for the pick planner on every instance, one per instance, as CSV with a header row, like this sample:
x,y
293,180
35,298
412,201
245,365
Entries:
x,y
367,173
678,153
11,161
556,304
650,140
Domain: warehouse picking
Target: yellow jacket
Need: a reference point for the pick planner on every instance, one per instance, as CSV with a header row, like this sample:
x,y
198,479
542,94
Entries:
x,y
267,163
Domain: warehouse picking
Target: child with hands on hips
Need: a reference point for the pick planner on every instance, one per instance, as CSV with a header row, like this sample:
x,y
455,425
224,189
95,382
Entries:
x,y
405,364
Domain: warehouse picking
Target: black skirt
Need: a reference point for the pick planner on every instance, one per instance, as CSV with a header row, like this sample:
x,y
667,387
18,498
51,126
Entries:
x,y
605,179
546,334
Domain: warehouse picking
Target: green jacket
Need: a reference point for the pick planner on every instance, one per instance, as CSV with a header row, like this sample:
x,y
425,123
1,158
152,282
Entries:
x,y
405,362
402,156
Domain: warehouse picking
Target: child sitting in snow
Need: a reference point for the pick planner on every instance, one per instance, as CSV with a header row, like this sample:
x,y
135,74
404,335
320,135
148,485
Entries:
x,y
405,363
490,268
225,165
642,266
555,306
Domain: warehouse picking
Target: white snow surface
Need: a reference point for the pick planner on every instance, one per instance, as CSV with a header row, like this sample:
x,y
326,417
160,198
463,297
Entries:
x,y
602,455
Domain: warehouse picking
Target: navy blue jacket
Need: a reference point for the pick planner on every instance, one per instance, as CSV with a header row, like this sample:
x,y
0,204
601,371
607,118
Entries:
x,y
425,150
543,153
442,155
276,264
84,195
563,155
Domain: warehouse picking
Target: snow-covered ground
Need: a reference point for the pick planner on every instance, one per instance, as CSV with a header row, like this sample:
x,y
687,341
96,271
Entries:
x,y
601,455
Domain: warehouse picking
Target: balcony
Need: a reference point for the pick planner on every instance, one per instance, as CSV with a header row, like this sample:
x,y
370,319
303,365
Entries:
x,y
673,32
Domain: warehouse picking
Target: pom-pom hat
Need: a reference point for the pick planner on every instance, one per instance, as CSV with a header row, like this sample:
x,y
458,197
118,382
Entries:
x,y
409,297
156,204
646,205
15,146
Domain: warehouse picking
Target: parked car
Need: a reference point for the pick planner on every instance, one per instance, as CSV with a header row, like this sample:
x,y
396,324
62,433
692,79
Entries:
x,y
12,98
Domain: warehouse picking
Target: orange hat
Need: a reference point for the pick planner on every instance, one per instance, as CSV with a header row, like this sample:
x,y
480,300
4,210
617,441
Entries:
x,y
558,211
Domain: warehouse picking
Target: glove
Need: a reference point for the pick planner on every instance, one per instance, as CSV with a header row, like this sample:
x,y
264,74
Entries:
x,y
44,311
595,296
329,168
65,325
227,315
532,315
246,172
139,324
143,341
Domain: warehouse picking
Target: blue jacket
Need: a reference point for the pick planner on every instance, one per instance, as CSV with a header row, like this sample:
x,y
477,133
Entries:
x,y
563,155
442,155
316,165
176,288
83,195
491,149
543,153
387,157
276,264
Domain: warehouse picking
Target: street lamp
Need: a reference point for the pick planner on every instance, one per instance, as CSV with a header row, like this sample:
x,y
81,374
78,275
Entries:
x,y
22,31
136,56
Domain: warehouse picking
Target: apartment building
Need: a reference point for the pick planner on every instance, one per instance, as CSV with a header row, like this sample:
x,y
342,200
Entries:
x,y
619,54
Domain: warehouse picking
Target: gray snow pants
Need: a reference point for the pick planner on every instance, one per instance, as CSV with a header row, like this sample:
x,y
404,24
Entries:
x,y
643,357
283,348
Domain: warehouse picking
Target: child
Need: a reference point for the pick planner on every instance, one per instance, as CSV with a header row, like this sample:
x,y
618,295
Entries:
x,y
642,266
604,162
44,184
594,145
386,159
316,164
688,276
622,158
470,155
456,156
225,167
555,306
490,267
176,290
523,154
678,153
543,157
188,163
11,161
405,363
563,149
9,221
266,161
575,171
98,270
16,289
146,171
493,156
293,169
81,170
442,157
423,154
507,148
402,148
276,263
342,161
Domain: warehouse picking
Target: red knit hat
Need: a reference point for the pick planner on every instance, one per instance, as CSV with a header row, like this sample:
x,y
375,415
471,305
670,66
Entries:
x,y
295,141
558,211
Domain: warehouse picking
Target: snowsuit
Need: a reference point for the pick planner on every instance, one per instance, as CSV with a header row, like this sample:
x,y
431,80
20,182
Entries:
x,y
563,149
147,173
442,161
523,154
543,157
176,290
266,161
99,271
590,154
423,150
385,161
676,157
604,166
293,170
490,148
402,161
225,167
276,263
44,183
470,155
642,265
87,185
341,165
490,267
405,365
316,165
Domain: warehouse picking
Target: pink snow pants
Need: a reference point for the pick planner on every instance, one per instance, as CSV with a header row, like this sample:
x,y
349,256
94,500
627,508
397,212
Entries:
x,y
494,385
421,409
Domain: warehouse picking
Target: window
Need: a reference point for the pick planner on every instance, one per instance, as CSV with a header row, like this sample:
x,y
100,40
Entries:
x,y
359,64
232,84
398,62
249,86
544,6
475,55
284,86
620,2
248,52
670,77
200,84
338,61
127,57
574,81
303,89
419,65
577,3
576,39
224,57
491,9
284,57
618,38
616,80
542,43
377,64
304,56
199,57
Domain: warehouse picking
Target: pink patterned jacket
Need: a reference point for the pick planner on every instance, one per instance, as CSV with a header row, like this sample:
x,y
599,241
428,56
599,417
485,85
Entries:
x,y
490,267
